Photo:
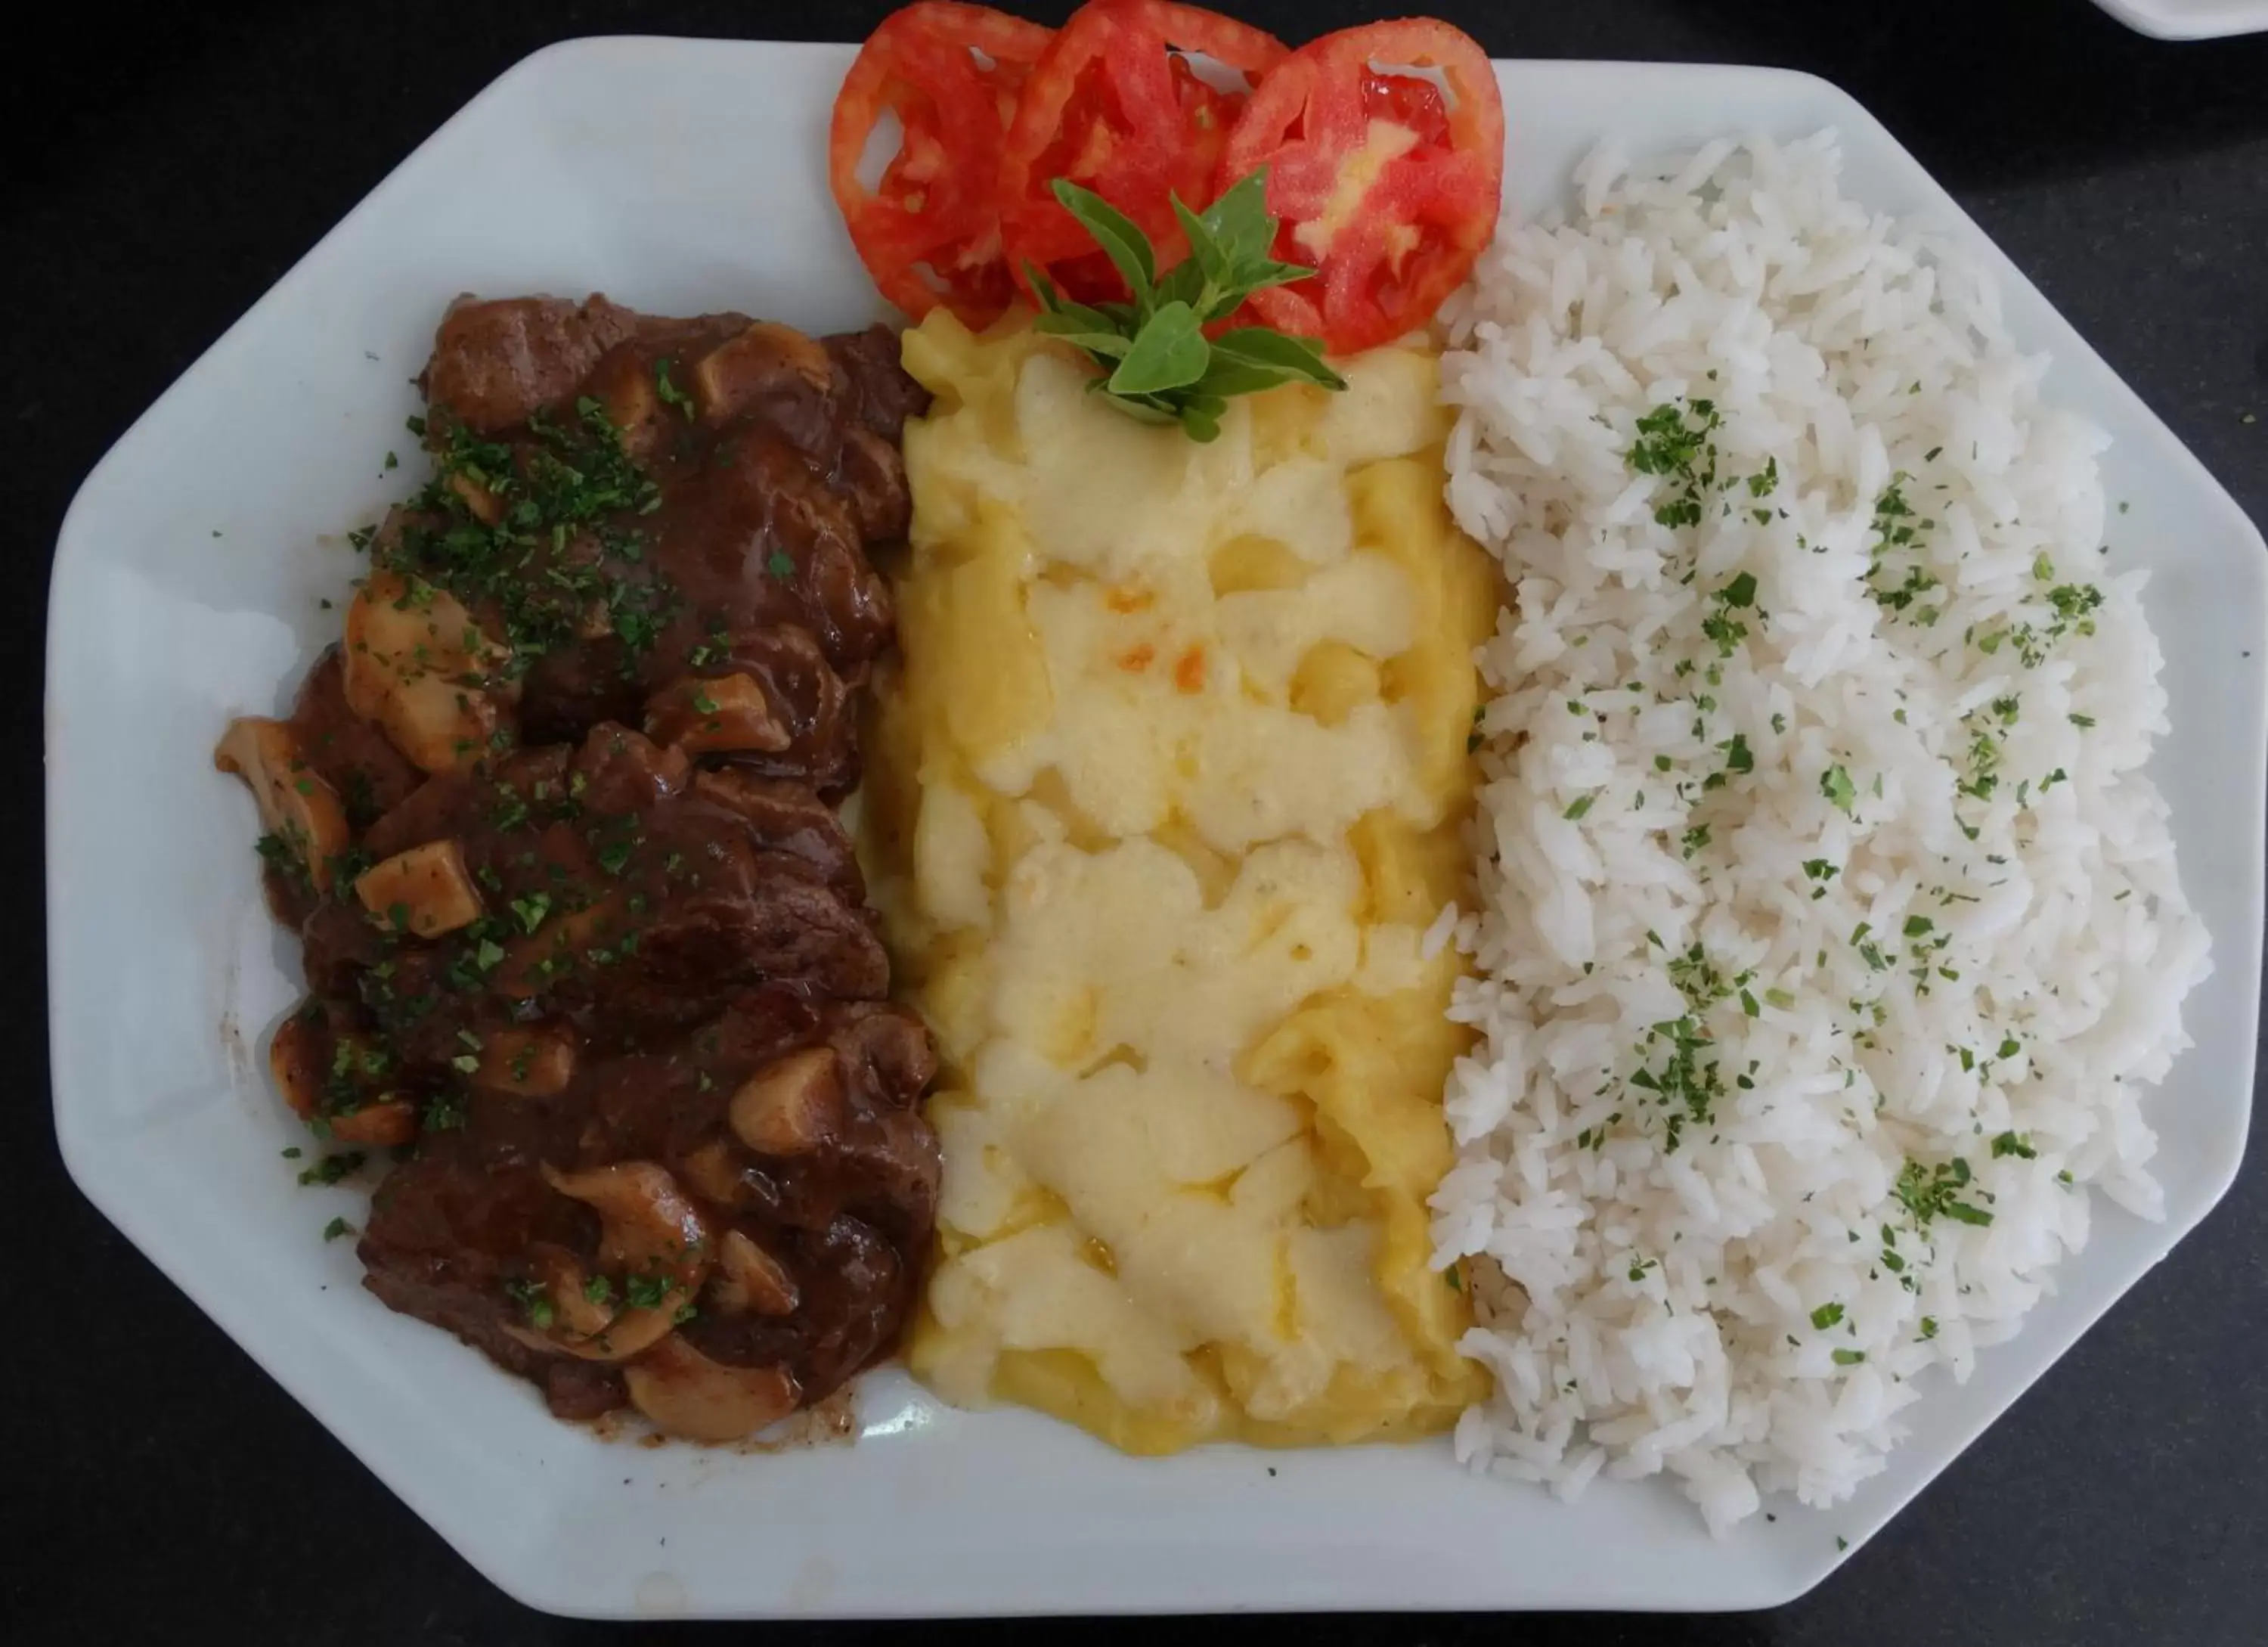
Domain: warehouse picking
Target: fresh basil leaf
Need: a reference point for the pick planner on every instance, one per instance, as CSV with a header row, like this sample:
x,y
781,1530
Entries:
x,y
1254,278
1226,375
1160,369
1169,352
1184,283
1299,359
1200,414
1116,233
1207,254
1097,343
1239,223
1065,317
1269,272
1150,409
1089,332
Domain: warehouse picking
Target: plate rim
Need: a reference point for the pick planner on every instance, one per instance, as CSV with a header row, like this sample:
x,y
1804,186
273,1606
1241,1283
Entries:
x,y
2220,21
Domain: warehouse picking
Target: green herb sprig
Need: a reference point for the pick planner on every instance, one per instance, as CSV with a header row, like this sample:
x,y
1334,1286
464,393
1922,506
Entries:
x,y
1158,365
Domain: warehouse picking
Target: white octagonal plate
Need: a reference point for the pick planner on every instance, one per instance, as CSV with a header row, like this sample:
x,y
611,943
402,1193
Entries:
x,y
682,176
2190,20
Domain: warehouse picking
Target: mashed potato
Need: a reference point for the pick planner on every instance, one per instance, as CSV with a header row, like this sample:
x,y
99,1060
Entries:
x,y
1160,805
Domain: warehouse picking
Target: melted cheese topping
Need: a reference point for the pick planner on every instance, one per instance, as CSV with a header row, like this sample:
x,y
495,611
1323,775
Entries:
x,y
1158,805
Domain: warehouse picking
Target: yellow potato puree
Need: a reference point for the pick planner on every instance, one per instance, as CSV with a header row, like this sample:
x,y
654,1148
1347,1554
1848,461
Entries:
x,y
1159,804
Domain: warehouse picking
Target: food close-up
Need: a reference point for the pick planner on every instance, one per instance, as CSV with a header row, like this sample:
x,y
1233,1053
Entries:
x,y
1506,829
1381,767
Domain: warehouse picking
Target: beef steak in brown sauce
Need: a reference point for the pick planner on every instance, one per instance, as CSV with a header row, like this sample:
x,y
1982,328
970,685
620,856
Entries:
x,y
586,943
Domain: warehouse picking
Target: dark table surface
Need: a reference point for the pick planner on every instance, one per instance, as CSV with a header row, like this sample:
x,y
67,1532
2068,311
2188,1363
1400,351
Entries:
x,y
165,167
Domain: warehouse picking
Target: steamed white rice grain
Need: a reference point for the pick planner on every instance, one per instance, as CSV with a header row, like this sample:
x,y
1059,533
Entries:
x,y
1826,936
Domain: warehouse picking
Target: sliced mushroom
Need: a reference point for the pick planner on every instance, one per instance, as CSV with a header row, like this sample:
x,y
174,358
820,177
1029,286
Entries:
x,y
628,391
569,1287
750,1279
648,1230
790,1107
303,1058
768,359
714,1173
417,664
685,1393
647,1222
526,1063
487,507
299,1058
383,1125
295,805
627,385
620,1336
426,890
700,715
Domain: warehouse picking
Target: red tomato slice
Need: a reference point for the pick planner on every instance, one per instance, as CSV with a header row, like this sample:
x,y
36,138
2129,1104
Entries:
x,y
1387,188
930,232
1114,106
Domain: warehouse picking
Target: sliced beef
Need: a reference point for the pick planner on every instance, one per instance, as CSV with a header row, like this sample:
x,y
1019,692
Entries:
x,y
469,1233
586,941
496,361
629,504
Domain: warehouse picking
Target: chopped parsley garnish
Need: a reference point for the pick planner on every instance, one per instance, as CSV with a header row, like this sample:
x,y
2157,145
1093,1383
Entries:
x,y
331,1169
1835,784
1578,807
1896,576
1826,1316
1928,1192
2014,1144
1689,1081
1680,452
671,395
532,531
534,1301
337,1227
1720,626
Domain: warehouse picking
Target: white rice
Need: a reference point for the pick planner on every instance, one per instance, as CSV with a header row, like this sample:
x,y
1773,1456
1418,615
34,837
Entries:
x,y
1724,1309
